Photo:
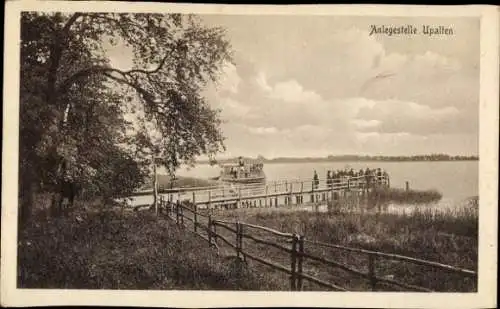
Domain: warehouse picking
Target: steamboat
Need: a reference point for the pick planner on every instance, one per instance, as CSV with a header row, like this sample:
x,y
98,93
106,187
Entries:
x,y
243,172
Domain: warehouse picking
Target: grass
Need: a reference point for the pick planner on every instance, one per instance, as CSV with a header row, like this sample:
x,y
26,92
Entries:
x,y
449,237
96,248
108,250
402,196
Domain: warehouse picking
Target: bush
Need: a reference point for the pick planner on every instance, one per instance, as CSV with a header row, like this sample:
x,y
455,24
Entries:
x,y
401,196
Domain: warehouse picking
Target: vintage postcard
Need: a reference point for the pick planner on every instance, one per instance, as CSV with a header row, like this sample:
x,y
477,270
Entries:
x,y
198,156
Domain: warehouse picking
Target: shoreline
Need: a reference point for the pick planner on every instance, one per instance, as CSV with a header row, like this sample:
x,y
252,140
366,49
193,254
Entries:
x,y
338,161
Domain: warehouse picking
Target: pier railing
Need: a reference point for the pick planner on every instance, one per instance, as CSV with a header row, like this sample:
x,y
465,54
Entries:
x,y
286,192
247,240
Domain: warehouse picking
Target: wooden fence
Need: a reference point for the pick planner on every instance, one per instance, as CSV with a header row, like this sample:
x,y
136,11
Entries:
x,y
209,229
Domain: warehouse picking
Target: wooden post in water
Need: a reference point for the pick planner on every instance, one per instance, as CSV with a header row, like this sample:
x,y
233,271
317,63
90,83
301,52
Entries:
x,y
407,186
209,199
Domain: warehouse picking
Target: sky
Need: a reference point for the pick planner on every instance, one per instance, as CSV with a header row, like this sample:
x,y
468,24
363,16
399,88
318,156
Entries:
x,y
322,85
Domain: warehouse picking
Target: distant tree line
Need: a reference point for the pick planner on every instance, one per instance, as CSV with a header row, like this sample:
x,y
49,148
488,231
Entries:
x,y
363,158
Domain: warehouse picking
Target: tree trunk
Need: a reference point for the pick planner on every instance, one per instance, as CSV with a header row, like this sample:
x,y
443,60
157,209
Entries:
x,y
26,195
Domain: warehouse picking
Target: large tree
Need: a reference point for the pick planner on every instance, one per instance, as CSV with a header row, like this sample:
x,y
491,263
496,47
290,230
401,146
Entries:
x,y
73,100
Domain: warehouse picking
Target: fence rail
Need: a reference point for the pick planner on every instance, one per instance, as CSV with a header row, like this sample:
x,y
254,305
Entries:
x,y
296,251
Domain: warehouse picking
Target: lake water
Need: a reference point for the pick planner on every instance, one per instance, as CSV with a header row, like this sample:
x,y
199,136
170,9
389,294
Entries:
x,y
454,179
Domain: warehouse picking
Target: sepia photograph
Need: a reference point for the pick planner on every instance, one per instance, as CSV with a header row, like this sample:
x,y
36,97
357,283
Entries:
x,y
189,148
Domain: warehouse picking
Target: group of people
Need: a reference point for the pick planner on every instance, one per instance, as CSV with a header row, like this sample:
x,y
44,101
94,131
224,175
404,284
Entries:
x,y
338,176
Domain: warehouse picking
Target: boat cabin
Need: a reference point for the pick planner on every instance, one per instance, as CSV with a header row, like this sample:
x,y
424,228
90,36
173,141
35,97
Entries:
x,y
241,171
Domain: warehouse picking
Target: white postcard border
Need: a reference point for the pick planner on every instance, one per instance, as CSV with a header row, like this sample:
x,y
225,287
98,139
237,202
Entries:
x,y
488,171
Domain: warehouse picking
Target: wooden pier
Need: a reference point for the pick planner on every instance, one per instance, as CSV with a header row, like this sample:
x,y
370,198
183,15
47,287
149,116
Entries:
x,y
275,194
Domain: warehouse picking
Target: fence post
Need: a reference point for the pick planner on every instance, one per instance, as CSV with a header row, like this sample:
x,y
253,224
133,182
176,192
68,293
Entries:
x,y
293,257
299,263
214,233
195,218
371,271
177,212
182,215
238,239
241,242
210,224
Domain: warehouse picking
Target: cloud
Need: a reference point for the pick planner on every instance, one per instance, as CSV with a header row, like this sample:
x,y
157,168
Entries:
x,y
343,91
263,130
365,124
392,116
288,91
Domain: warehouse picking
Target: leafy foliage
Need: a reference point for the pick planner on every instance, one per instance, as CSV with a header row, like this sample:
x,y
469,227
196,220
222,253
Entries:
x,y
74,102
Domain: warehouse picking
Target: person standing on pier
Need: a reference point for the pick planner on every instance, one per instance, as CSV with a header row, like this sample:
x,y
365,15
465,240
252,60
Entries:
x,y
386,178
379,175
367,177
329,179
360,178
315,180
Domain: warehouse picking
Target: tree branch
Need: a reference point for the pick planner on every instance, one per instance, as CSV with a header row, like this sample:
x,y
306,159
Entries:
x,y
101,69
145,94
70,22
